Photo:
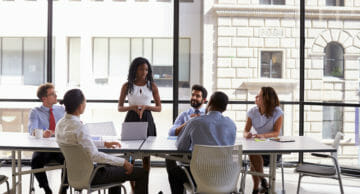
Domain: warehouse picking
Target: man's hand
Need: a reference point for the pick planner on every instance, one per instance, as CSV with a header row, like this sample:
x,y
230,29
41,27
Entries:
x,y
112,144
128,167
47,133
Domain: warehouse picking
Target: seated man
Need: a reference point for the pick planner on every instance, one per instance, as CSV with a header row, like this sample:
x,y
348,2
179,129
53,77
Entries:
x,y
71,130
210,129
198,98
45,117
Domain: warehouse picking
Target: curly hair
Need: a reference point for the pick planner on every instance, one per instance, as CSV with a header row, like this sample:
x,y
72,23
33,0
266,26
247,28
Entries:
x,y
42,90
270,100
132,74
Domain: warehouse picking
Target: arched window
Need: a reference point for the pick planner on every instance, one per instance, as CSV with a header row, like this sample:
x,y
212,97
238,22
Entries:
x,y
334,60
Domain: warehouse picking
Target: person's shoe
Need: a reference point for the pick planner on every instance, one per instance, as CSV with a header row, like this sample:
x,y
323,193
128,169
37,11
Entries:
x,y
264,186
63,190
47,190
255,191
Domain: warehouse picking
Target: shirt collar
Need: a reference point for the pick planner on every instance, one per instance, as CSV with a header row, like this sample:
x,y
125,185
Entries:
x,y
201,109
70,116
46,108
214,113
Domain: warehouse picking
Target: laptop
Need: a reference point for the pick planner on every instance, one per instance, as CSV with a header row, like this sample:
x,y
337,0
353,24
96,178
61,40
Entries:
x,y
102,129
134,130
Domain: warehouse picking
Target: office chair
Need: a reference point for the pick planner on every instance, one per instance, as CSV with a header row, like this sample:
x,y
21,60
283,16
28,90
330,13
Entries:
x,y
80,169
215,169
4,179
316,170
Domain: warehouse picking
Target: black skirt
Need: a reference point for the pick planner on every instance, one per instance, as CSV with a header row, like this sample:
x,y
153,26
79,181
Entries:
x,y
132,116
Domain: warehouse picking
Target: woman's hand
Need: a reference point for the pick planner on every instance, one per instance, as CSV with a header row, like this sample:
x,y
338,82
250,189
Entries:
x,y
128,167
259,136
112,144
141,111
248,135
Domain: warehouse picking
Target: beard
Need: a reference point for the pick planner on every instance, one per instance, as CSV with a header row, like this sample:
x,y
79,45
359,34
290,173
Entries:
x,y
195,104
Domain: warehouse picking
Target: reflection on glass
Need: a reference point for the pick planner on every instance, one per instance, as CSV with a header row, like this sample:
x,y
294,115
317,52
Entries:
x,y
332,121
334,60
74,61
12,57
271,64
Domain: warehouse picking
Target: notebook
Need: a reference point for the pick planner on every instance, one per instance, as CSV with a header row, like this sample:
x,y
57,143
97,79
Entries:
x,y
134,130
283,139
102,129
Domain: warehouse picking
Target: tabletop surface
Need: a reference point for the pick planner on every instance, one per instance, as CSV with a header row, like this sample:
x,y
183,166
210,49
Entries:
x,y
23,141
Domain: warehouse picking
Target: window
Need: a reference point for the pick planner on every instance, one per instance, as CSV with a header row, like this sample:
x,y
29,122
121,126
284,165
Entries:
x,y
271,64
334,60
74,61
332,121
335,2
23,61
111,56
272,2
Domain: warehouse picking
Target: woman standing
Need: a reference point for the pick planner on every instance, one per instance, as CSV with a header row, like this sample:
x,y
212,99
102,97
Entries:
x,y
139,90
266,118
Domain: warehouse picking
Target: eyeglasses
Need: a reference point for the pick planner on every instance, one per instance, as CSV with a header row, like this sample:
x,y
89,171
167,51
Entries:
x,y
52,94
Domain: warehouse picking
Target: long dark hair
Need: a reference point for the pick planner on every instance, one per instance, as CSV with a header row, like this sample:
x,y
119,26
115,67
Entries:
x,y
132,73
270,100
72,100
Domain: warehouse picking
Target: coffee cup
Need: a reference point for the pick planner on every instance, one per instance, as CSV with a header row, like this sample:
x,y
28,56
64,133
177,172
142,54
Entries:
x,y
38,133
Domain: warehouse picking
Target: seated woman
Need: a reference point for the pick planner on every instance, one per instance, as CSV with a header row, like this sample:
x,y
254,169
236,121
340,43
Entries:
x,y
266,118
70,130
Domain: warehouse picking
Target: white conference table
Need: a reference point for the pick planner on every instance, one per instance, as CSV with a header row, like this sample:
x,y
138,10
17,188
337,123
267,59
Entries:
x,y
19,142
156,146
165,147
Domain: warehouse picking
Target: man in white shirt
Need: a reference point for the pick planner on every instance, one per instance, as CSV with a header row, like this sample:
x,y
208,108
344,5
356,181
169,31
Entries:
x,y
70,130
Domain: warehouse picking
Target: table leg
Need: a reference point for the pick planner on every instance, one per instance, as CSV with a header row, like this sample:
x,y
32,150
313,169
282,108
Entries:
x,y
272,173
19,170
13,171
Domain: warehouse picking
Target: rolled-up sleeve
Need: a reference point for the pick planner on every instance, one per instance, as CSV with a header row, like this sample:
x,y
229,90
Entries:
x,y
183,141
99,157
179,121
33,121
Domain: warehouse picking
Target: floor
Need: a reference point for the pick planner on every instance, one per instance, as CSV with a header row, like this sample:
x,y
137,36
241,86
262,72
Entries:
x,y
158,182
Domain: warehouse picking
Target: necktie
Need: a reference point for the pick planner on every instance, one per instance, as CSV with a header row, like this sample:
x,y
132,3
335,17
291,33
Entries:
x,y
197,111
51,121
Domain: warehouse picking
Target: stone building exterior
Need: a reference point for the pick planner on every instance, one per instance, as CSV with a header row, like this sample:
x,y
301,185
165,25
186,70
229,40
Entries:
x,y
248,31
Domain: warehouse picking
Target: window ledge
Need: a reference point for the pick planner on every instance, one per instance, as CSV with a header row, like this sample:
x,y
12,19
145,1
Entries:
x,y
284,85
333,79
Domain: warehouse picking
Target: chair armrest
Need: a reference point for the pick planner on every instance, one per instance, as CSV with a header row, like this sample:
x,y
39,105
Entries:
x,y
189,177
321,155
2,163
97,167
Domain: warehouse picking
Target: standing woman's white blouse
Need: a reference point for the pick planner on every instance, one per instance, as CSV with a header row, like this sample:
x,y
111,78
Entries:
x,y
141,95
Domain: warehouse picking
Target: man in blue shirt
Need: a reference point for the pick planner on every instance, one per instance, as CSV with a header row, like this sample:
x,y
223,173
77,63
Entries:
x,y
210,129
45,117
197,100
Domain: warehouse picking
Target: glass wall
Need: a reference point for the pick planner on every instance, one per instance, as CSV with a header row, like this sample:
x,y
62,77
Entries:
x,y
332,55
232,46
